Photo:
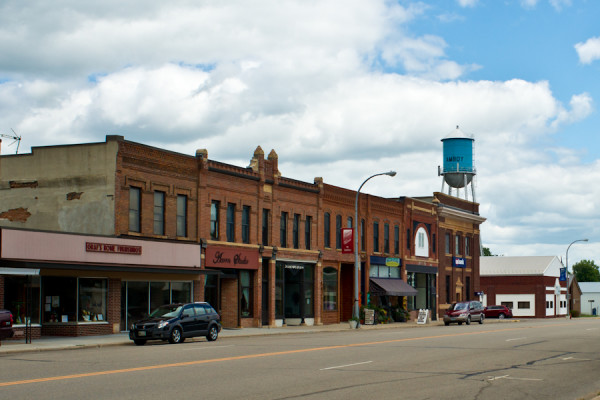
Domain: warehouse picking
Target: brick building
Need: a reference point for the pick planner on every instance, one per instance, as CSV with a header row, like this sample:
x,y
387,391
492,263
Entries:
x,y
530,286
262,248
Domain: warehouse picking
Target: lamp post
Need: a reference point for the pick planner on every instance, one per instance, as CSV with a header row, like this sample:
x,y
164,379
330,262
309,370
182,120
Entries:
x,y
567,270
356,312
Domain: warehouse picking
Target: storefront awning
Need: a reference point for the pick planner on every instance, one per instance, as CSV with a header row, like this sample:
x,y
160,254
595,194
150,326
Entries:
x,y
19,271
391,287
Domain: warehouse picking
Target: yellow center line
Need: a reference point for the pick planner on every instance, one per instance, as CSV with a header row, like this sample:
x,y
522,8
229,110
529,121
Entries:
x,y
251,356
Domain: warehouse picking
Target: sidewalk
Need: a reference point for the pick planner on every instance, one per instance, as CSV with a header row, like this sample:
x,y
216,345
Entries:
x,y
47,343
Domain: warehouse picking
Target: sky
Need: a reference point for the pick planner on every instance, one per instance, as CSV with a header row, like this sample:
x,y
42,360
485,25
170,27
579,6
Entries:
x,y
339,89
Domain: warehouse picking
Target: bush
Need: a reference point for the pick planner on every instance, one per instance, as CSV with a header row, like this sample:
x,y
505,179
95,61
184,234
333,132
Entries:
x,y
575,313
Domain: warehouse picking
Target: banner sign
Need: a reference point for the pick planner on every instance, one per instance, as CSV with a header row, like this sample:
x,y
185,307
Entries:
x,y
347,240
226,257
459,262
563,274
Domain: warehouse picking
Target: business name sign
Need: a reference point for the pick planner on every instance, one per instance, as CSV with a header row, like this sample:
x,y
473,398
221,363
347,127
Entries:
x,y
225,257
459,262
112,248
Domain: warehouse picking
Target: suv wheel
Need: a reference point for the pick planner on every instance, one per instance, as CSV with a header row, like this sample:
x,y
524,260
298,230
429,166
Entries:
x,y
213,333
481,318
501,316
139,342
176,336
469,320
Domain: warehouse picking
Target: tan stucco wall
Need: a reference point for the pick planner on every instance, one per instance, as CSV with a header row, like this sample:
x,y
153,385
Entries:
x,y
63,188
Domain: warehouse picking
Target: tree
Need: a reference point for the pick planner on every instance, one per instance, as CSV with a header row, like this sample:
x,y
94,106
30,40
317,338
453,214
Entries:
x,y
586,271
487,252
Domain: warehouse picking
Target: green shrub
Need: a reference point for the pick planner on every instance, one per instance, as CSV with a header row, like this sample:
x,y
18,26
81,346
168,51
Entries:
x,y
575,313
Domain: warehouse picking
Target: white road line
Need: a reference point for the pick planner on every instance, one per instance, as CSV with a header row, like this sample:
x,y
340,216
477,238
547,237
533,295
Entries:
x,y
591,329
495,378
347,365
573,358
211,347
519,338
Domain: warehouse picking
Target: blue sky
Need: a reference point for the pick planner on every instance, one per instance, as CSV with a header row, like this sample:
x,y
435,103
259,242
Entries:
x,y
340,89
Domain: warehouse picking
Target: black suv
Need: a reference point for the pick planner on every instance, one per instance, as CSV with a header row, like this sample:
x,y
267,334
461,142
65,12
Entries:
x,y
176,322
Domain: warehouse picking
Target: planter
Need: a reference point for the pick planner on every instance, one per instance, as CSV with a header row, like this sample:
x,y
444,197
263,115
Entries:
x,y
353,324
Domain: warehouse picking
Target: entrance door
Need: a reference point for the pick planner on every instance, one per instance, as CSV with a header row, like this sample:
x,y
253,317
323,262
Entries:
x,y
293,295
346,291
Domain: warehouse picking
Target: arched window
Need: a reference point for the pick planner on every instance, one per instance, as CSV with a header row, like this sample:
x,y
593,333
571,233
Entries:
x,y
421,243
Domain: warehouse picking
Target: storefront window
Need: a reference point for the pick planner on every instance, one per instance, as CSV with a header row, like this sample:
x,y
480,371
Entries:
x,y
159,294
181,292
93,294
279,290
59,299
16,290
329,289
246,293
211,290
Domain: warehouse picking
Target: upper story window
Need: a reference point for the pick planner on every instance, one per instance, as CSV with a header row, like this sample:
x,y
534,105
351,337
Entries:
x,y
467,246
159,213
296,231
283,229
307,232
181,215
135,203
246,224
447,237
457,245
396,239
231,222
349,222
422,243
265,227
214,219
386,238
338,231
363,243
327,229
376,237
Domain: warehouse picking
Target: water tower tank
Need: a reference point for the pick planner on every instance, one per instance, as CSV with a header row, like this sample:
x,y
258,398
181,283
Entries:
x,y
458,170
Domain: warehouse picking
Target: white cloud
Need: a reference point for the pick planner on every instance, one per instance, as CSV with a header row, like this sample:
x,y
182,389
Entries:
x,y
529,3
589,51
559,4
467,3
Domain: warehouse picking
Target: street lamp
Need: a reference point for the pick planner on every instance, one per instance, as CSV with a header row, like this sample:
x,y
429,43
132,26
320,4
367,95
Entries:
x,y
567,270
356,313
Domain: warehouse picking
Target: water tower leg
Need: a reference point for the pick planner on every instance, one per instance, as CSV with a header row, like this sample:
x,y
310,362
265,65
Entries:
x,y
466,192
473,192
442,191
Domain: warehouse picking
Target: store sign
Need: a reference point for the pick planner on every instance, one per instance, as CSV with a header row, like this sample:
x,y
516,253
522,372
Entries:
x,y
112,248
387,261
225,257
459,262
347,240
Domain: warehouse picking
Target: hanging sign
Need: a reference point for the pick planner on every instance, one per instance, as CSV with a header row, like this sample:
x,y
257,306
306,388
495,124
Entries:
x,y
347,240
459,262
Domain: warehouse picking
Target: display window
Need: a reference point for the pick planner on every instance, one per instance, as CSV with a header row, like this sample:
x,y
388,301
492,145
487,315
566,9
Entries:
x,y
93,295
330,289
22,298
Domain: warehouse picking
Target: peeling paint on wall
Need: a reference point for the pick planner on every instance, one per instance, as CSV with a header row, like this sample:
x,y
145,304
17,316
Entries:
x,y
18,185
74,195
16,215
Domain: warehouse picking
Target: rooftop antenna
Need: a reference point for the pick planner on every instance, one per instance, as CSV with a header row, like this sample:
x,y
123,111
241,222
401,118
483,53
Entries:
x,y
16,138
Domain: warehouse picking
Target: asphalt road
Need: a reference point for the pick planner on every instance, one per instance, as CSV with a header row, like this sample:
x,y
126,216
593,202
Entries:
x,y
550,359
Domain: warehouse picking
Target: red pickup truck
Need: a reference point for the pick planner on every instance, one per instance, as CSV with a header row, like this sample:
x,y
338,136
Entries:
x,y
6,324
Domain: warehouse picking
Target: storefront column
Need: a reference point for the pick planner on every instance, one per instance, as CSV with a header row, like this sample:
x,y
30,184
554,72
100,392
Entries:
x,y
318,293
272,280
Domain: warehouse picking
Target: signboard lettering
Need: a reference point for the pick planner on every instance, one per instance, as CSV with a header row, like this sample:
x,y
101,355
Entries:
x,y
112,248
369,316
224,257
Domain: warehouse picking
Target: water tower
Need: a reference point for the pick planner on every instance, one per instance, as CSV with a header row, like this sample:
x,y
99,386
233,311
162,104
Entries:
x,y
458,170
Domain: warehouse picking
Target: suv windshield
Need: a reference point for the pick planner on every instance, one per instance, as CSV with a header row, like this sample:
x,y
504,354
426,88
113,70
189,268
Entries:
x,y
459,306
166,311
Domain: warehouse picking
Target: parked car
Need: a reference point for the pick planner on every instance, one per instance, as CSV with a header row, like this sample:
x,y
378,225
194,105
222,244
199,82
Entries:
x,y
497,312
6,324
464,311
176,322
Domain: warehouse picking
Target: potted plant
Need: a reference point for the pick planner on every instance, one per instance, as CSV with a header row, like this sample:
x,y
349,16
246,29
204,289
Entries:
x,y
353,322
